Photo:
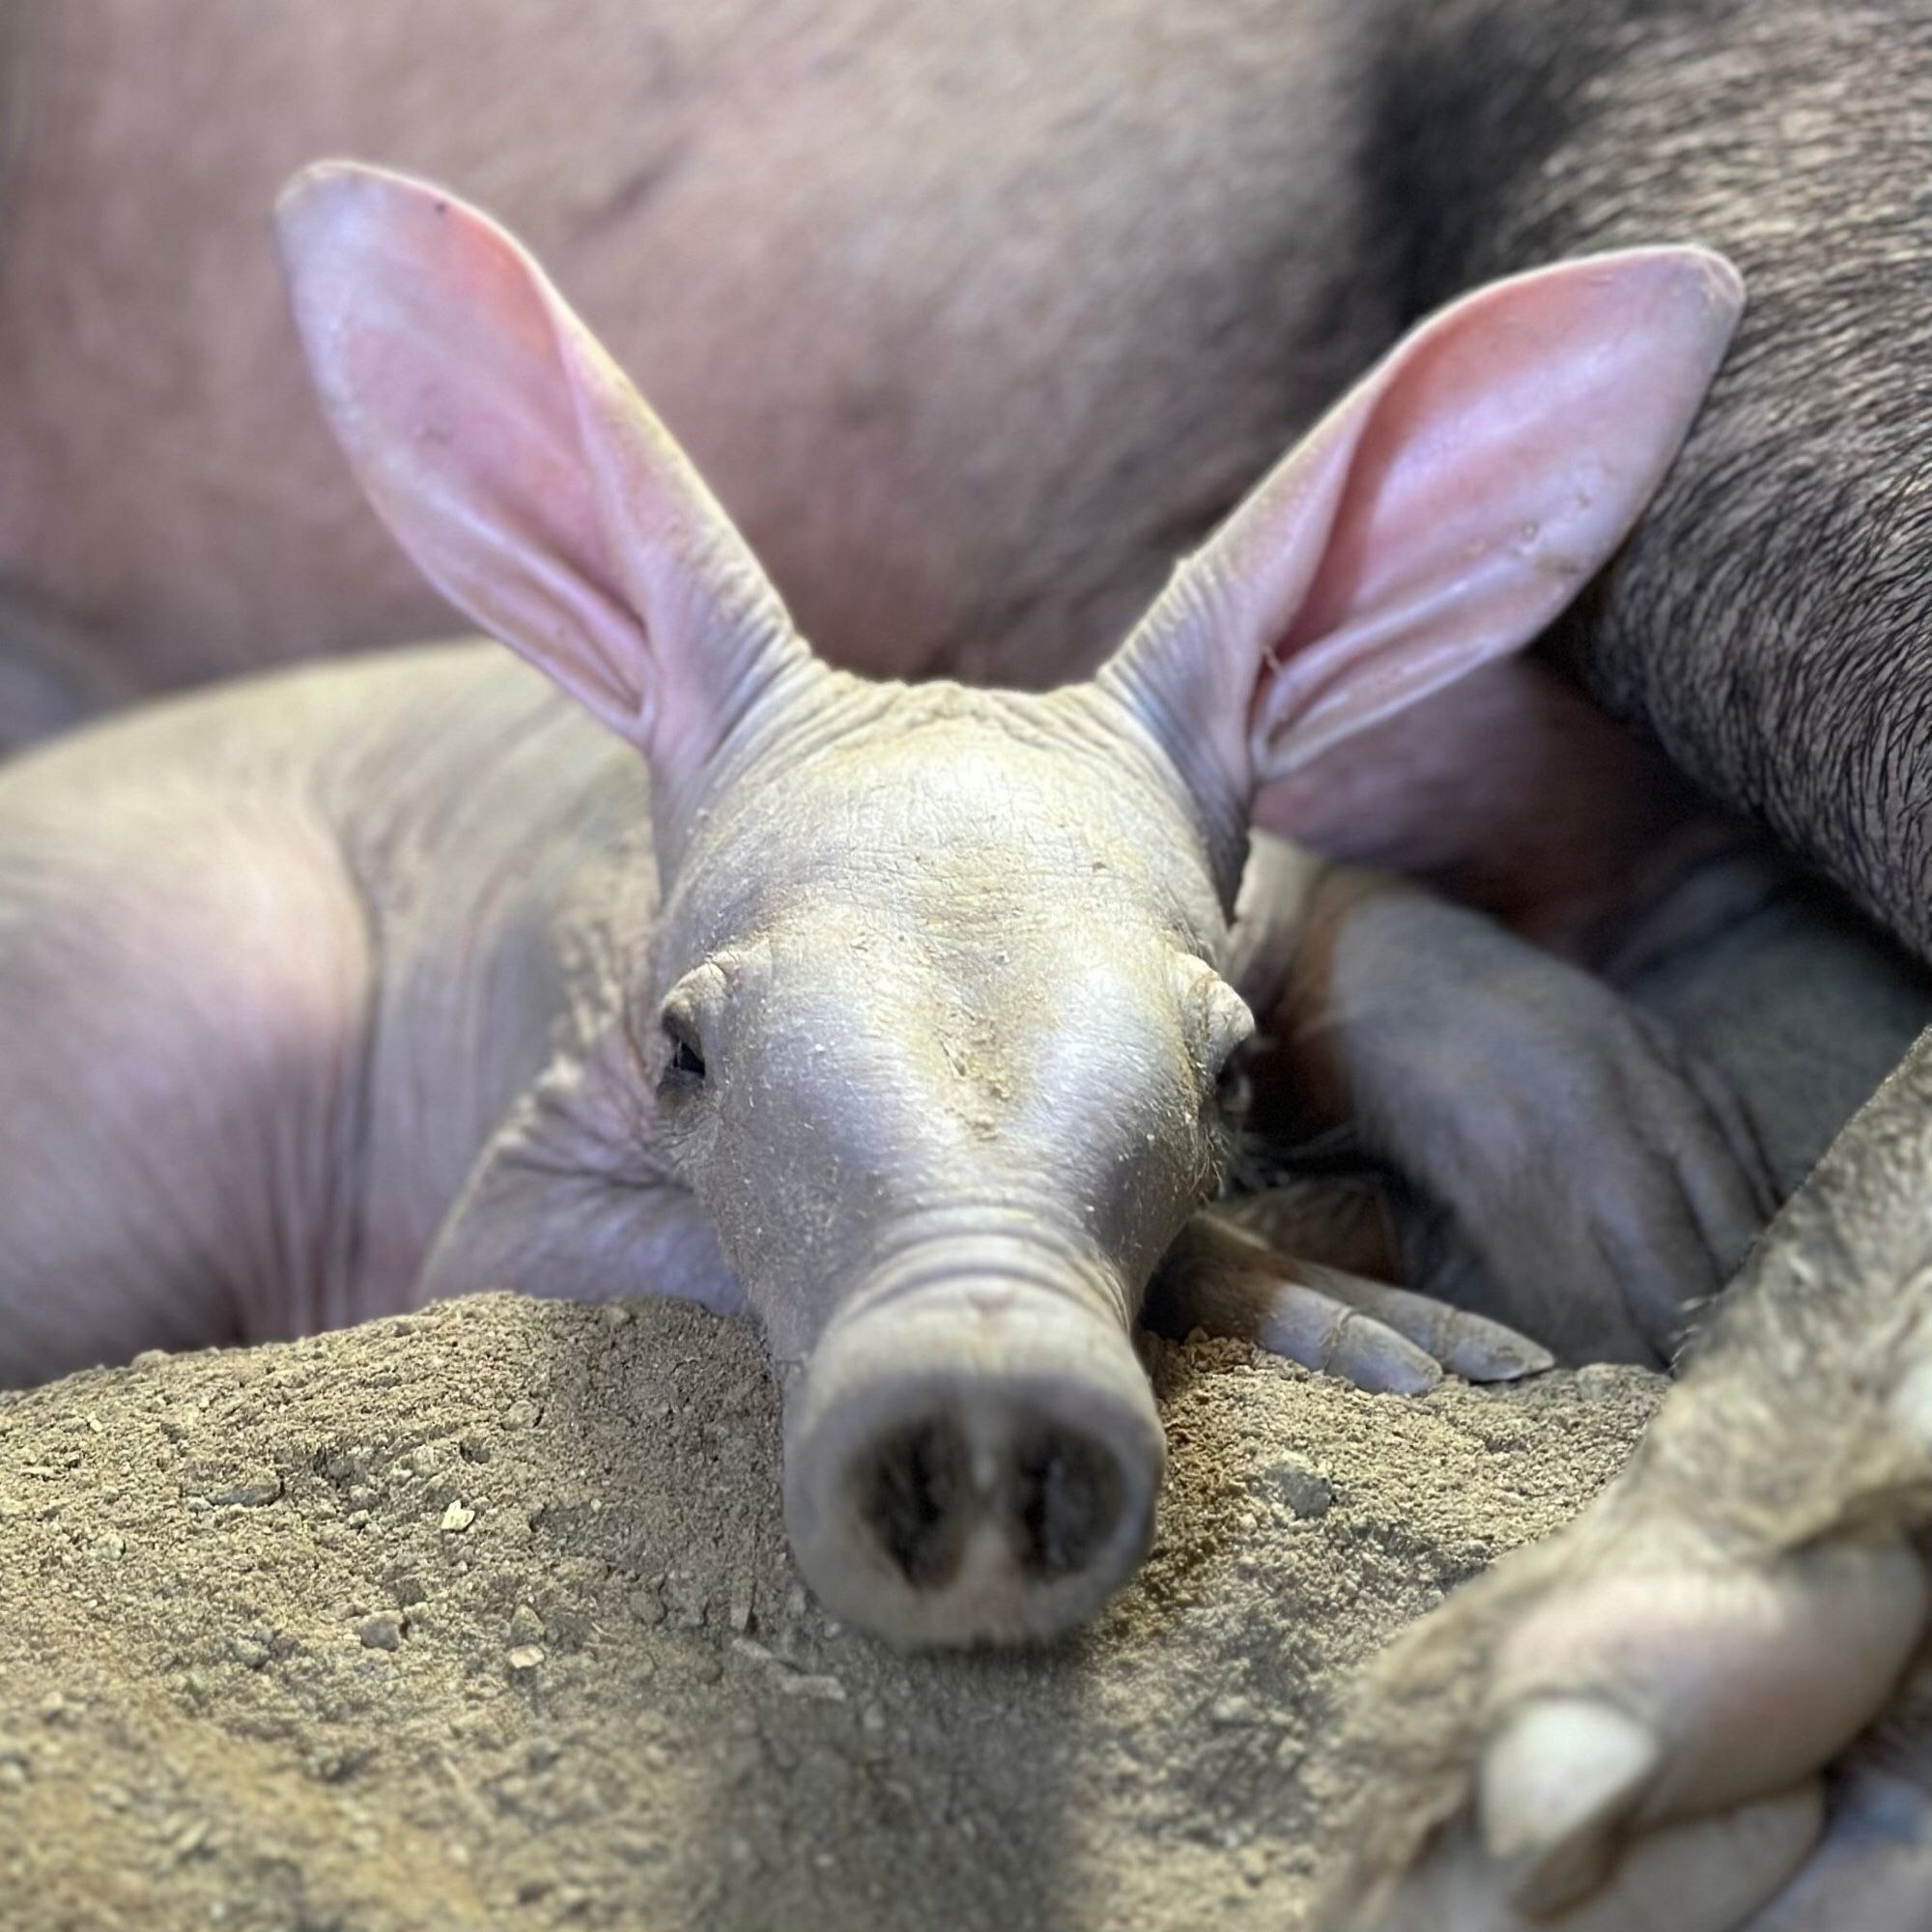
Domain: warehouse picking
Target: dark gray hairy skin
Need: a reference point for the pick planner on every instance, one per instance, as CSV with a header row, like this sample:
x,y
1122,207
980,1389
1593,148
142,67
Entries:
x,y
1766,623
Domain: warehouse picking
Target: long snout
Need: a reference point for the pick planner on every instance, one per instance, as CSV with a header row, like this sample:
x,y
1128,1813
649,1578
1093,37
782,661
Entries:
x,y
976,1463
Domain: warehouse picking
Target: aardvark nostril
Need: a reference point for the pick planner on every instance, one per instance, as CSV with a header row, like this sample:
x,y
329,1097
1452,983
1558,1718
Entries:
x,y
914,1492
1066,1500
1048,1494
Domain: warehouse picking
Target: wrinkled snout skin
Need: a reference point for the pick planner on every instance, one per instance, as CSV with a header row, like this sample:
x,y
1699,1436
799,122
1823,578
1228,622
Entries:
x,y
946,1129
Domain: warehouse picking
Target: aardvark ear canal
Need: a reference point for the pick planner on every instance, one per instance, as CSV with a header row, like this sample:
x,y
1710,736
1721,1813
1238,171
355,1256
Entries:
x,y
1442,515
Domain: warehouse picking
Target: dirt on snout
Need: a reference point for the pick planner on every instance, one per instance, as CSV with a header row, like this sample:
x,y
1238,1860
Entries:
x,y
484,1618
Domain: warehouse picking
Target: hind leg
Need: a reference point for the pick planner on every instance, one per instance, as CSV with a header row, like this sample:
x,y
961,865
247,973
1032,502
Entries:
x,y
182,981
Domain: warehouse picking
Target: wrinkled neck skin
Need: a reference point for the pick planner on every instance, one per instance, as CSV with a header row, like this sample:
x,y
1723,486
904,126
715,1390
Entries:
x,y
953,961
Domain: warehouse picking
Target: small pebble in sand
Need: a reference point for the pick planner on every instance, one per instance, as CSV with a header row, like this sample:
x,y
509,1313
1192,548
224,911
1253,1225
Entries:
x,y
382,1631
1305,1491
525,1657
457,1518
803,1685
255,1491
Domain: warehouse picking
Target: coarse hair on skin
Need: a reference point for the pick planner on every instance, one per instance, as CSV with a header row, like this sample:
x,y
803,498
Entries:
x,y
1767,620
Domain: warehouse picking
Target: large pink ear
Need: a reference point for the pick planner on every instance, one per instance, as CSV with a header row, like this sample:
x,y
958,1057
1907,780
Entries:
x,y
518,469
1443,514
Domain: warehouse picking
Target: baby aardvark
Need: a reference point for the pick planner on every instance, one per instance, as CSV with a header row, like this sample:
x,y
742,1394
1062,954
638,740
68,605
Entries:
x,y
897,1015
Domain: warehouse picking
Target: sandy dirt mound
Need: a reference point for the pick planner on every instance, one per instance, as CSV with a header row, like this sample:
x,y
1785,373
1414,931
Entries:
x,y
484,1618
